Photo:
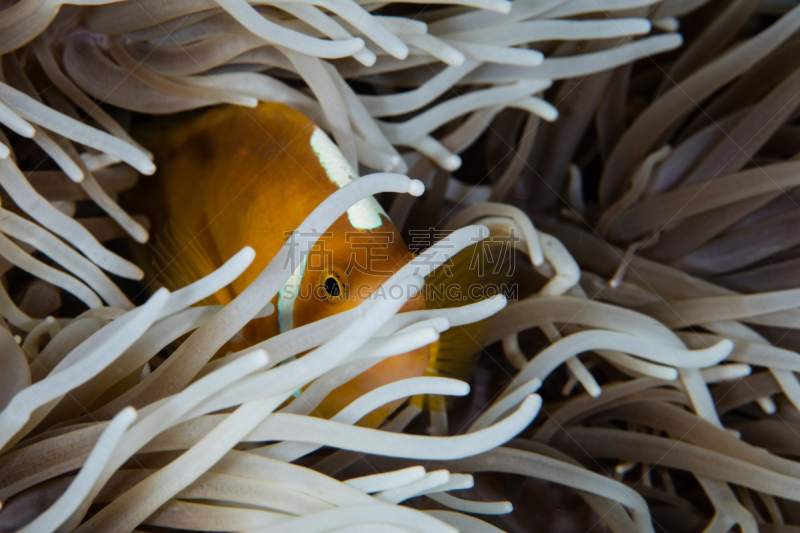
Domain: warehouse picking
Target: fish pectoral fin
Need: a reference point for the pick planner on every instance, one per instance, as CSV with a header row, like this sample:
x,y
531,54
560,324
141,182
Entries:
x,y
474,274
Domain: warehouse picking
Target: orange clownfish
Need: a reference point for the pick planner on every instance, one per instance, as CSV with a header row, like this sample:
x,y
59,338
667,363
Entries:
x,y
233,177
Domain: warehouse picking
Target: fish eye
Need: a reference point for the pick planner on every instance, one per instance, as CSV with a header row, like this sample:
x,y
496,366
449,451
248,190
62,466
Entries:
x,y
332,286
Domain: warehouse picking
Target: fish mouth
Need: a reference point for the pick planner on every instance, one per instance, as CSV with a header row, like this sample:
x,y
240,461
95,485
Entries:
x,y
404,366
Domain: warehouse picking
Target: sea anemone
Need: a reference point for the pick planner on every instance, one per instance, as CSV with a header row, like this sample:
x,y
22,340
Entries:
x,y
661,173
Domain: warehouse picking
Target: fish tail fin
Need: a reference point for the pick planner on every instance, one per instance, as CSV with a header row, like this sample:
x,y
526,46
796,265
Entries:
x,y
177,258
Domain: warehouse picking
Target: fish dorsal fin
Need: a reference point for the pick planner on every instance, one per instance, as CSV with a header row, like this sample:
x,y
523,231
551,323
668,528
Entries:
x,y
181,258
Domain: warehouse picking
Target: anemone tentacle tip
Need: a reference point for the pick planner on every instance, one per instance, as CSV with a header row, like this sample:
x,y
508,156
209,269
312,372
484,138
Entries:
x,y
416,188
